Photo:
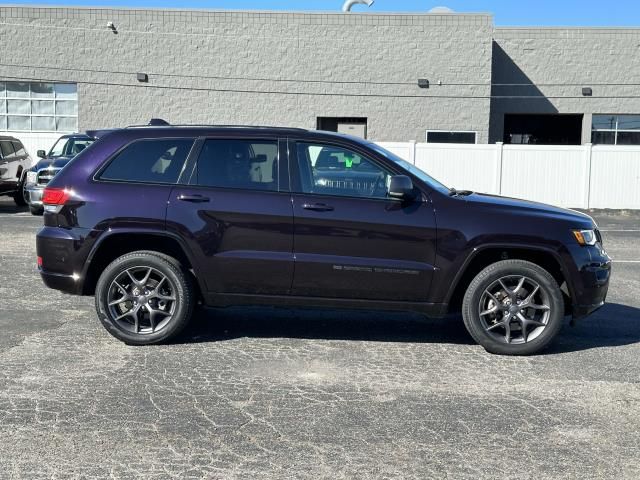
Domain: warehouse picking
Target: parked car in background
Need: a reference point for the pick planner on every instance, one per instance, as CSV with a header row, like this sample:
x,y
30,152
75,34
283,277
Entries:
x,y
152,220
14,162
65,148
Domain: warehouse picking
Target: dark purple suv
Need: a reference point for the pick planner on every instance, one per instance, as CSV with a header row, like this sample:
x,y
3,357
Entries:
x,y
154,219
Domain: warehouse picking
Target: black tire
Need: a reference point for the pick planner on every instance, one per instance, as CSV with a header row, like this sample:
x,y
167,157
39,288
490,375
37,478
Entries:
x,y
20,195
488,328
136,332
36,210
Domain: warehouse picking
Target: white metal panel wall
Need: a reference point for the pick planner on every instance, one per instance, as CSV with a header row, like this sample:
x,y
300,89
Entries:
x,y
615,177
558,175
465,167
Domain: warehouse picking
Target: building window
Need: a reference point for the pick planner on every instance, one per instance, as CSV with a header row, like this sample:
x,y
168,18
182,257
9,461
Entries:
x,y
445,136
356,126
38,107
615,130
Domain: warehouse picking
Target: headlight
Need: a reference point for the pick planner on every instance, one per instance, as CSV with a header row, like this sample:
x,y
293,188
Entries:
x,y
585,237
32,177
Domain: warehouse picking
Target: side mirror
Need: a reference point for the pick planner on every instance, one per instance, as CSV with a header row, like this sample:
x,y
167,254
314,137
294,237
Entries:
x,y
401,187
42,154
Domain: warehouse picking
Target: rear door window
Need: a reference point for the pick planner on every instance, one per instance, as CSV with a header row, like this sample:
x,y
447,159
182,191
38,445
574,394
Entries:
x,y
7,149
150,161
19,148
245,164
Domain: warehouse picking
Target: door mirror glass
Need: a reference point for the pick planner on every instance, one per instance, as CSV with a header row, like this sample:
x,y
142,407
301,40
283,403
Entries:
x,y
42,154
401,187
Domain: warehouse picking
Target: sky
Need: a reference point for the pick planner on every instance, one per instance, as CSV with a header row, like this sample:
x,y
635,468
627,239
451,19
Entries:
x,y
506,12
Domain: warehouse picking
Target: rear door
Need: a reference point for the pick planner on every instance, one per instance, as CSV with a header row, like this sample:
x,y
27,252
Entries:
x,y
237,216
351,240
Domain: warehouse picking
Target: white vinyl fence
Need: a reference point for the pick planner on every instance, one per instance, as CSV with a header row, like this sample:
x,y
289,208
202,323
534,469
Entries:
x,y
581,176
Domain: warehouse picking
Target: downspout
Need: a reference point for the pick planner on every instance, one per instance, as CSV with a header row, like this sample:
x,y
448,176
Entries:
x,y
350,3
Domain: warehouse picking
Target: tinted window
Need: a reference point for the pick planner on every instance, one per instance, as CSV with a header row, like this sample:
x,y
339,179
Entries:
x,y
156,161
332,170
451,137
19,149
248,164
6,148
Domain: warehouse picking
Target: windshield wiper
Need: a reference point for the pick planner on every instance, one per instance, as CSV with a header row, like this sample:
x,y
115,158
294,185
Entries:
x,y
459,193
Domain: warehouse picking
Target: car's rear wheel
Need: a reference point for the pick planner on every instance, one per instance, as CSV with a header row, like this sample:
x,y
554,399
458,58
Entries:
x,y
21,197
513,307
36,210
144,298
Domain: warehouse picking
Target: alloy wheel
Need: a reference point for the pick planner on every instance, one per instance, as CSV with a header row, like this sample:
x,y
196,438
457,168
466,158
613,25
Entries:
x,y
141,300
514,309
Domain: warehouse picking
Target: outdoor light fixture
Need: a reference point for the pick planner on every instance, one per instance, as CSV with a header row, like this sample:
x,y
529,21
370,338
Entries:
x,y
423,83
587,92
112,27
142,77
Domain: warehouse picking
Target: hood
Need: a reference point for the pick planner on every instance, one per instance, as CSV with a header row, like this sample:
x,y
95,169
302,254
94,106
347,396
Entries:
x,y
57,162
529,208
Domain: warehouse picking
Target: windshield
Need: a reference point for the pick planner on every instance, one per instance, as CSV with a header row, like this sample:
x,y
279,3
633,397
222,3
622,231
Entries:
x,y
429,180
69,147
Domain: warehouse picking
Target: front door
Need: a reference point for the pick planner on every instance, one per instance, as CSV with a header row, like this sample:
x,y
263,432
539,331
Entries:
x,y
351,240
237,216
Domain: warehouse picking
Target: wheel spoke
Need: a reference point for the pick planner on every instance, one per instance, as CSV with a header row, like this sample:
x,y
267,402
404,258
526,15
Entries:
x,y
539,307
507,329
120,300
133,279
519,286
146,277
493,309
495,325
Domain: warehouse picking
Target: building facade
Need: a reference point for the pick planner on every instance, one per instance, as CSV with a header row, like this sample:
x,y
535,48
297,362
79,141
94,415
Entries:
x,y
390,77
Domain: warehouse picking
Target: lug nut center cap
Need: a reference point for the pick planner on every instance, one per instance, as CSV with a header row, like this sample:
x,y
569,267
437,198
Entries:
x,y
142,300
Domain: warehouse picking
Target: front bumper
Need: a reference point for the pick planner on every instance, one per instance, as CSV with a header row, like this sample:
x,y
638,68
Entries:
x,y
35,194
592,282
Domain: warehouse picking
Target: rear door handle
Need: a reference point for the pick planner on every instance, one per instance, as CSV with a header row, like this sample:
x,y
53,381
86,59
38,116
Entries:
x,y
318,207
193,198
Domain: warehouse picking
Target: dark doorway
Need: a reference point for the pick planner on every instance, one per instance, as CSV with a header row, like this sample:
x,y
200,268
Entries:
x,y
352,125
526,129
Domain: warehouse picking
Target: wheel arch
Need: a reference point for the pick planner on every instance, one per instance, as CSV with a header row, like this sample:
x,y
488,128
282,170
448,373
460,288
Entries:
x,y
482,258
112,245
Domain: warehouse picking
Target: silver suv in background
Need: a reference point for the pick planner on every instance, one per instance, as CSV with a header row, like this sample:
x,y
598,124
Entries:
x,y
14,161
65,148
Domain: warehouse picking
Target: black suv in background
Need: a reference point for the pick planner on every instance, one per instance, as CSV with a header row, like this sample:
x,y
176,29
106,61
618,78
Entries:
x,y
65,148
153,219
14,162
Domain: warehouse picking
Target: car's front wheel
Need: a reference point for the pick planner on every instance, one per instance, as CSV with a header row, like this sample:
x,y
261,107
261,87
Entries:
x,y
513,307
144,298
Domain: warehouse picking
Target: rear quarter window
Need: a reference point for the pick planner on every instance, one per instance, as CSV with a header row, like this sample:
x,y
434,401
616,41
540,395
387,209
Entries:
x,y
149,161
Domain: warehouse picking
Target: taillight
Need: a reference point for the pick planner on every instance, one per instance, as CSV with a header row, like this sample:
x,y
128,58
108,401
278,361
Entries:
x,y
40,261
55,196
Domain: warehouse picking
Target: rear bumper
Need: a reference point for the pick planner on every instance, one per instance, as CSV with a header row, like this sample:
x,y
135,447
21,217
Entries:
x,y
63,253
60,281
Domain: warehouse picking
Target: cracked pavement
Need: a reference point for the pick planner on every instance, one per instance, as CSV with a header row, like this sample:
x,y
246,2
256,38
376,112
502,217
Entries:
x,y
274,393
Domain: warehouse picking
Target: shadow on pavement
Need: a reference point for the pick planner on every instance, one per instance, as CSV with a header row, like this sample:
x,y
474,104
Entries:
x,y
10,207
268,322
613,325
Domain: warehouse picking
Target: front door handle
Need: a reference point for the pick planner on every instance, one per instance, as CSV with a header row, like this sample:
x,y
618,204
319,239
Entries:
x,y
193,198
318,207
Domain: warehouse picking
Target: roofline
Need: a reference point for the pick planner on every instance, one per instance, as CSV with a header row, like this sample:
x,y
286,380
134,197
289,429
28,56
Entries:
x,y
211,10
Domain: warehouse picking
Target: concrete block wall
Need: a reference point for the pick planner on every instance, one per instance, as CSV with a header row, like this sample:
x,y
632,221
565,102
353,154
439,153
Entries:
x,y
553,64
259,67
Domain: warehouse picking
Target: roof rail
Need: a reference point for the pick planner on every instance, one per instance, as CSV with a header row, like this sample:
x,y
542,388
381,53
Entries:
x,y
187,125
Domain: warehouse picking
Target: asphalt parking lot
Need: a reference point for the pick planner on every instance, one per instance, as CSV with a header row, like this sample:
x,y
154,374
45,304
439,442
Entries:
x,y
273,393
